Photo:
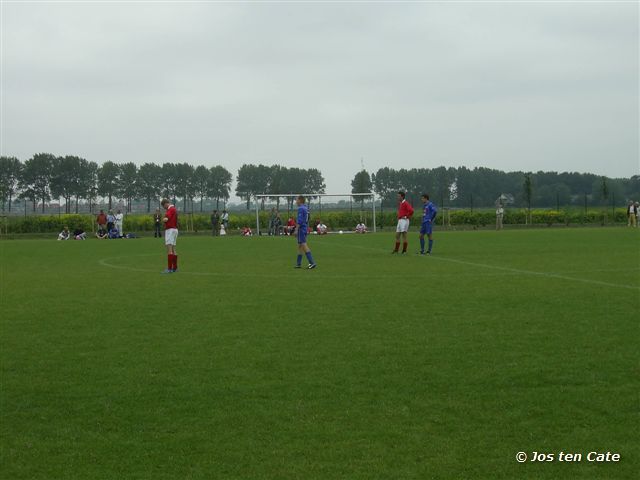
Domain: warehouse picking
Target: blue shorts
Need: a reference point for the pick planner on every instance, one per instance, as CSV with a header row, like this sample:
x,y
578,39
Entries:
x,y
426,228
302,235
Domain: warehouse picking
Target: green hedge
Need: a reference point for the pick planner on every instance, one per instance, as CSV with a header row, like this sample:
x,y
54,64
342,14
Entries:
x,y
539,217
484,218
46,223
334,220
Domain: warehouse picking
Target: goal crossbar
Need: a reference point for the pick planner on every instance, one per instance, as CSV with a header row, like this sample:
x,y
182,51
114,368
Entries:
x,y
371,195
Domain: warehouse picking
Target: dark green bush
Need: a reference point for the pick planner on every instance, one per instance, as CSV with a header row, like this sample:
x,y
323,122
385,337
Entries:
x,y
334,220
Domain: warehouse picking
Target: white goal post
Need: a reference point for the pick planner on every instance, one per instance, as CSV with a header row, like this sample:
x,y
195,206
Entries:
x,y
319,196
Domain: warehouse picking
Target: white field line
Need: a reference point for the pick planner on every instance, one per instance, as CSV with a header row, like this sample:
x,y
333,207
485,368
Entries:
x,y
601,270
518,271
107,262
541,274
504,271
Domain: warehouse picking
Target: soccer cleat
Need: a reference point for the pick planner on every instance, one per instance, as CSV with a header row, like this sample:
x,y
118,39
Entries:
x,y
404,253
429,253
164,272
298,266
311,266
395,252
420,254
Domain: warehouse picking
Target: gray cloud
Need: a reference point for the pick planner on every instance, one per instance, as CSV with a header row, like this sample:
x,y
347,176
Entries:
x,y
523,86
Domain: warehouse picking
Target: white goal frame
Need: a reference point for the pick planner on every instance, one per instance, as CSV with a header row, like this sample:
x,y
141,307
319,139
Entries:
x,y
308,195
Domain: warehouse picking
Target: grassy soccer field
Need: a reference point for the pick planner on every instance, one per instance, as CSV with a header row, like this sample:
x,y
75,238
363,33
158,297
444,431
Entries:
x,y
370,366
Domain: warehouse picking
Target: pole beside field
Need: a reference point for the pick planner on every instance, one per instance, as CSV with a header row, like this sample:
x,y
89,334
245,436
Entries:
x,y
257,218
374,212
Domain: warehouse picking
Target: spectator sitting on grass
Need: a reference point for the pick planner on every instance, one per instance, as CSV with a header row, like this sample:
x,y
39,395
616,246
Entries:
x,y
321,228
246,232
361,228
101,234
114,233
64,234
223,230
291,226
79,234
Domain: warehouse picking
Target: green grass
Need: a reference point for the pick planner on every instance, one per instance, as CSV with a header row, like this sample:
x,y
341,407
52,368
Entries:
x,y
370,367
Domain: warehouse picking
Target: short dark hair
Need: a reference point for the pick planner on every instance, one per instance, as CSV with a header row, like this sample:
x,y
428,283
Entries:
x,y
401,193
301,198
164,201
425,195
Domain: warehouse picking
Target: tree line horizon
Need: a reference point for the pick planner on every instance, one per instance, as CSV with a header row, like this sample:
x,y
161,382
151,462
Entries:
x,y
45,176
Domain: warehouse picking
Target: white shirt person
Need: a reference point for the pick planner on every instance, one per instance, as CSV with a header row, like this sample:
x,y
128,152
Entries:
x,y
119,221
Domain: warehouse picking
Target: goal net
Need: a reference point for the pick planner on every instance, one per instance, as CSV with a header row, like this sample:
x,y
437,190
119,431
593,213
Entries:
x,y
337,212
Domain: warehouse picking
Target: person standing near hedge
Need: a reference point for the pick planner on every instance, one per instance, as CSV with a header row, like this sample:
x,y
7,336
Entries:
x,y
499,216
277,225
225,219
111,220
632,215
272,221
120,222
157,224
101,220
215,220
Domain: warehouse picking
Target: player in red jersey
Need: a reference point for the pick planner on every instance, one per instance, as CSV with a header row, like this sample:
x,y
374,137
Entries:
x,y
170,221
405,212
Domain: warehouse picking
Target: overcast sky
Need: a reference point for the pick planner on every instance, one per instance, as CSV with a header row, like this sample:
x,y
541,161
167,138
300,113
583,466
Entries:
x,y
527,86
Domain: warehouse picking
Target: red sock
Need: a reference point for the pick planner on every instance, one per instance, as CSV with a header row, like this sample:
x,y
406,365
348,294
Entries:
x,y
175,262
397,247
169,261
404,247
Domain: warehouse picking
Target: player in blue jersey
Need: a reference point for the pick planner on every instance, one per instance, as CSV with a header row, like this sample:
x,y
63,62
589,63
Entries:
x,y
429,212
302,230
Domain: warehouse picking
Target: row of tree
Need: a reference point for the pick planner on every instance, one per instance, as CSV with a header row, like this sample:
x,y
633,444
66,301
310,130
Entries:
x,y
45,176
464,187
277,180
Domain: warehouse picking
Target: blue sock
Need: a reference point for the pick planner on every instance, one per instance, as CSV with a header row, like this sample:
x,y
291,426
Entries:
x,y
299,262
310,258
430,245
422,245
